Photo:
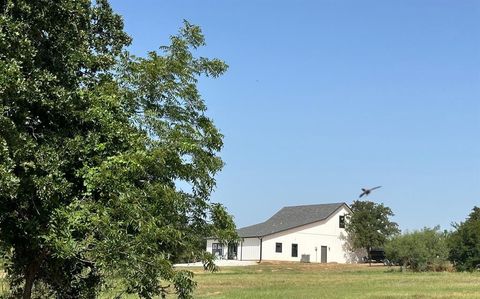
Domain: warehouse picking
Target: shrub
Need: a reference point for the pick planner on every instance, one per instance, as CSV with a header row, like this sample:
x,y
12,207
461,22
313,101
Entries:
x,y
464,243
424,250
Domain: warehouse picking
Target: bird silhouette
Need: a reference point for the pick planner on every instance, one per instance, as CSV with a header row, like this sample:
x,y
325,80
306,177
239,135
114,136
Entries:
x,y
366,192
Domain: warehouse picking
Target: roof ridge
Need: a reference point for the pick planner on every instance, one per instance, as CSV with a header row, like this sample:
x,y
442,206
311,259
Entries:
x,y
318,204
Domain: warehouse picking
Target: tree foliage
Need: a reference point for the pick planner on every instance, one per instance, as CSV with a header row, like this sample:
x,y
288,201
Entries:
x,y
369,225
424,250
94,143
464,243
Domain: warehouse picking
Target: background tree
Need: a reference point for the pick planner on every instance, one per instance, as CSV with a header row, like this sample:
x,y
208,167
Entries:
x,y
94,144
464,243
369,225
424,250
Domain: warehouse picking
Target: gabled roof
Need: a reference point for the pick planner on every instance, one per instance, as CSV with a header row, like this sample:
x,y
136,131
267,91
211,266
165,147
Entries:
x,y
290,217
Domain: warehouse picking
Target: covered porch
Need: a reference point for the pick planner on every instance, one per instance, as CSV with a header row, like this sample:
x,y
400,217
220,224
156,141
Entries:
x,y
223,251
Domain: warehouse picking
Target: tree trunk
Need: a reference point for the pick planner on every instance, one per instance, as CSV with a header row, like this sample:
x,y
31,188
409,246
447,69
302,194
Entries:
x,y
29,279
27,289
30,275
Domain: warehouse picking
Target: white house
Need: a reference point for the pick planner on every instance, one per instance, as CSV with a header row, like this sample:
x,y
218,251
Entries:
x,y
314,233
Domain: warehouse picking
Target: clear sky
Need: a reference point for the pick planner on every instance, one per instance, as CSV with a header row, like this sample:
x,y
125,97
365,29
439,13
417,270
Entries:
x,y
325,97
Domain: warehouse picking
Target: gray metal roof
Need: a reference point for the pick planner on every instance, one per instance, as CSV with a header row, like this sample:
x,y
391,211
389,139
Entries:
x,y
290,217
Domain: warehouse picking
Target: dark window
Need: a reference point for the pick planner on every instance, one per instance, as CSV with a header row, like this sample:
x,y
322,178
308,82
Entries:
x,y
294,250
341,221
278,247
217,249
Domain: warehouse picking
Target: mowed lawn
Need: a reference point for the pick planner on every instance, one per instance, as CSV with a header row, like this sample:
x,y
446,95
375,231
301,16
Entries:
x,y
295,280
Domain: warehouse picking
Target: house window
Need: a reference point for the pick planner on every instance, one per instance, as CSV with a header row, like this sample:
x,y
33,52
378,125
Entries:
x,y
294,250
278,247
341,221
217,249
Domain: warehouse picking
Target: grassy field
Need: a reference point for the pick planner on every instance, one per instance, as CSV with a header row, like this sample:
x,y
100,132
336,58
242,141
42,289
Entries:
x,y
333,281
295,280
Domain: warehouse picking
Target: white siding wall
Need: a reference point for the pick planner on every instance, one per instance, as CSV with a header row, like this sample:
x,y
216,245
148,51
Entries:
x,y
209,244
249,249
321,233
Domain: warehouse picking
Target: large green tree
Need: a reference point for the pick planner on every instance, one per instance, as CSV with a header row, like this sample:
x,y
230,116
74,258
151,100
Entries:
x,y
464,242
94,144
369,225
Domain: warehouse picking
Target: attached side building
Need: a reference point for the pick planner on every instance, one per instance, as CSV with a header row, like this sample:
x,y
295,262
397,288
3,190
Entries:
x,y
314,233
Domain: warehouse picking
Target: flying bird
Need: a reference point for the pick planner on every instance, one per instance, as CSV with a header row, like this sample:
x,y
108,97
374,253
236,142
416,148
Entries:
x,y
366,192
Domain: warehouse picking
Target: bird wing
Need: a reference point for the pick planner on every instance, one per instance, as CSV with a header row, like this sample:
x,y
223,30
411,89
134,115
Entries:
x,y
362,194
375,188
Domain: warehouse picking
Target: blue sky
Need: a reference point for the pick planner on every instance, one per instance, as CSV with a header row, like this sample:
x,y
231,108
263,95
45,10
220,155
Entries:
x,y
323,98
